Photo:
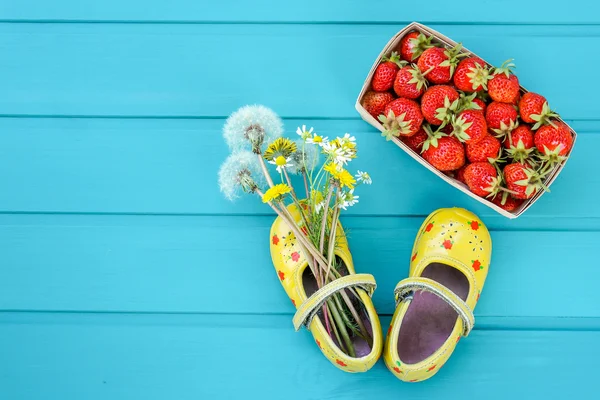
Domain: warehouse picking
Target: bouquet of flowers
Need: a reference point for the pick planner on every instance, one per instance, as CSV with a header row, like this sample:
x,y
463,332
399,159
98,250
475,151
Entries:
x,y
261,163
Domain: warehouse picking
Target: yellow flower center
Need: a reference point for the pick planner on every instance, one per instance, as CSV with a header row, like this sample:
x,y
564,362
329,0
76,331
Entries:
x,y
280,161
318,139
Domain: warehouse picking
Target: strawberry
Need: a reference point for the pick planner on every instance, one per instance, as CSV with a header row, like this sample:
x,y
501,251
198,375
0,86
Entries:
x,y
438,64
483,150
501,118
535,109
471,75
506,202
554,141
435,99
383,79
413,44
409,82
459,174
519,143
375,102
482,178
504,85
522,180
445,153
469,126
481,104
401,117
415,142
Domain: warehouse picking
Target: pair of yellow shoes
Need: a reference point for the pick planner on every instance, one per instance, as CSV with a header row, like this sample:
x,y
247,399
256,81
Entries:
x,y
434,305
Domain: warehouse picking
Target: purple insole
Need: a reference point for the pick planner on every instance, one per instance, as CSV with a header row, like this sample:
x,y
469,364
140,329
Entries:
x,y
429,320
361,347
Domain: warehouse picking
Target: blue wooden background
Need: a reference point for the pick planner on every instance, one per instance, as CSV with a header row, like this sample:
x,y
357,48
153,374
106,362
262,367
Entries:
x,y
124,275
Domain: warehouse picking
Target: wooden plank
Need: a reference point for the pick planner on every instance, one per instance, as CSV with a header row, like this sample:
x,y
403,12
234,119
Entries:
x,y
530,12
222,265
171,69
230,357
170,166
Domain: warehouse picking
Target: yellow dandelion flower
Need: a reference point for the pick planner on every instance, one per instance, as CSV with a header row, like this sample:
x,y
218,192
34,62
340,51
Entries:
x,y
346,179
276,192
332,169
282,147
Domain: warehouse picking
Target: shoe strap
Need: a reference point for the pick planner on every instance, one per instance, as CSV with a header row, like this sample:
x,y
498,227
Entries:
x,y
406,287
310,307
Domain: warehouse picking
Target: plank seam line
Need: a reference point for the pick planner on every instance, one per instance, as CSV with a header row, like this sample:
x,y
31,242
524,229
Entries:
x,y
285,22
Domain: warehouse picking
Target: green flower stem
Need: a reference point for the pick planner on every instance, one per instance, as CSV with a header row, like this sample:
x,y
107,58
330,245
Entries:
x,y
306,185
342,327
361,325
335,330
324,222
265,171
289,182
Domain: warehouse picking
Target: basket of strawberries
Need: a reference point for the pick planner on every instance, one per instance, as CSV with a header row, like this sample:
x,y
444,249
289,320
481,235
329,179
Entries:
x,y
470,123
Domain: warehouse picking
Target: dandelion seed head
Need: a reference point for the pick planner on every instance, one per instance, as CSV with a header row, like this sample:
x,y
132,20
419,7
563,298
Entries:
x,y
251,126
240,172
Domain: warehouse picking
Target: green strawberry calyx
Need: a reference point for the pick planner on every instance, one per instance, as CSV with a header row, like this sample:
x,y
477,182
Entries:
x,y
519,153
460,126
506,68
453,57
418,78
446,112
395,58
432,137
553,157
534,180
420,44
394,126
465,102
479,76
543,118
505,129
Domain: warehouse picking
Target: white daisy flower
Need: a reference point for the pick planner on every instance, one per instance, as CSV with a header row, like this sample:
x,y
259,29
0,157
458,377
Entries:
x,y
347,138
319,206
281,162
348,199
363,177
318,140
304,133
339,155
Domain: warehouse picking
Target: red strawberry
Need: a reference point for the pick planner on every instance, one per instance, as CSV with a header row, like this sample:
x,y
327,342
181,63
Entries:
x,y
481,104
413,44
469,126
409,82
446,155
415,142
522,181
484,149
438,64
401,117
504,85
535,109
434,99
506,202
375,102
519,143
383,79
460,173
553,141
501,118
482,178
471,75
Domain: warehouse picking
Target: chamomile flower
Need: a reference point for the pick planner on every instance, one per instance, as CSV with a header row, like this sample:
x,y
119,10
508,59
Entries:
x,y
348,199
250,126
281,162
304,133
276,193
304,159
338,155
363,177
241,171
318,140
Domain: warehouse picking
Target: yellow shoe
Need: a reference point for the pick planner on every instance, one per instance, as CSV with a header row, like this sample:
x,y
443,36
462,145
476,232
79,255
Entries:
x,y
448,267
300,285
